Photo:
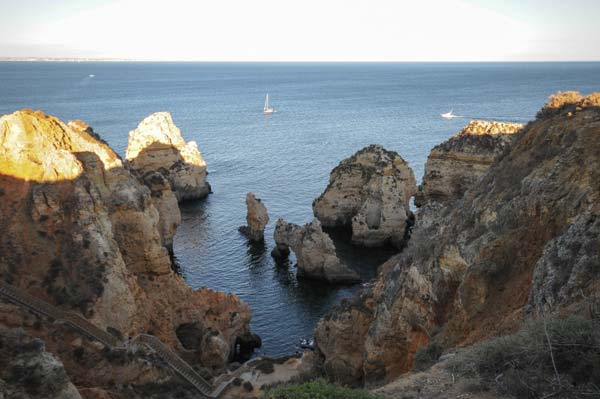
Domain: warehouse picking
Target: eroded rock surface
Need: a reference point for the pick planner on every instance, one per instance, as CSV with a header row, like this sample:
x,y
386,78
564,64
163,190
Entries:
x,y
27,371
314,251
523,239
256,218
157,145
455,165
370,193
80,231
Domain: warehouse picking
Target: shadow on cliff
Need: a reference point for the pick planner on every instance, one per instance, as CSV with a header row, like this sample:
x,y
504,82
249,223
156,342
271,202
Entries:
x,y
45,227
187,180
363,260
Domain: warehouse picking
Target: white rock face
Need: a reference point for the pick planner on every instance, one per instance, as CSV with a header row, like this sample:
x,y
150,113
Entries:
x,y
314,251
157,145
256,217
370,193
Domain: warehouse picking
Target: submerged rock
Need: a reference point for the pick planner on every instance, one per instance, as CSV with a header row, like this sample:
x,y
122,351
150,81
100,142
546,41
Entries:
x,y
157,145
256,217
370,193
458,163
314,251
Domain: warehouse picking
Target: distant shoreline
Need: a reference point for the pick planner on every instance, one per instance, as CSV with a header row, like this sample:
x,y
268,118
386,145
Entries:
x,y
52,59
67,59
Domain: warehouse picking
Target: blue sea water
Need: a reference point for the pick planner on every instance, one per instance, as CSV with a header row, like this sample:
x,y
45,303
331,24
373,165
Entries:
x,y
326,113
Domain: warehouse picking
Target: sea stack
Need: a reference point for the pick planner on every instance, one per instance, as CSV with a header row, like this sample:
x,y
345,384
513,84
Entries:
x,y
157,145
370,194
256,218
459,162
314,251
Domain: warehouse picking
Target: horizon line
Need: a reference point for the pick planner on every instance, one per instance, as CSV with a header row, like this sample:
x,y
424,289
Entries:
x,y
133,60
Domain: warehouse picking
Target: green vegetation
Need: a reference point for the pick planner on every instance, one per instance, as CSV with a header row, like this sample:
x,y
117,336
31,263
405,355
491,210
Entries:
x,y
546,358
317,389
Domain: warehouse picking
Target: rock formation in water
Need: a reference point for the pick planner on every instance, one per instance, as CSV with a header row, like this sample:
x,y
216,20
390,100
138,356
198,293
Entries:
x,y
456,164
80,231
369,193
314,251
524,239
256,218
157,145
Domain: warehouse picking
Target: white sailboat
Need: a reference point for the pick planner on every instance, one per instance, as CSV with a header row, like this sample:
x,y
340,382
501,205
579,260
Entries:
x,y
268,110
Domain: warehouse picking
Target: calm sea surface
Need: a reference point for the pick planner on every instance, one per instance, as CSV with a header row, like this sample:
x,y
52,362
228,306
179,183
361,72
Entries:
x,y
326,113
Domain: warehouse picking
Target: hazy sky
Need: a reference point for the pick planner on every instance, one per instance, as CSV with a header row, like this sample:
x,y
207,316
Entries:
x,y
303,30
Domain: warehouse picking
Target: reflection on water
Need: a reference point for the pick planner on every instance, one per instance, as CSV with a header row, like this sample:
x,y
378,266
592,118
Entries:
x,y
285,309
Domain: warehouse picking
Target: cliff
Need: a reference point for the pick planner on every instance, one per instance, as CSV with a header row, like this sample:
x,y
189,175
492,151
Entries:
x,y
369,193
82,232
157,145
523,240
455,165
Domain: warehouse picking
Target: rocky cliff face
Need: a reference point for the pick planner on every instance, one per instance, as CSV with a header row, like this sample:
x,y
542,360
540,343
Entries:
x,y
80,231
314,251
524,238
27,371
369,193
456,164
256,218
157,145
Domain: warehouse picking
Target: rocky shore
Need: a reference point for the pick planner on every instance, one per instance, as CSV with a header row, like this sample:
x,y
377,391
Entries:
x,y
86,231
507,232
520,242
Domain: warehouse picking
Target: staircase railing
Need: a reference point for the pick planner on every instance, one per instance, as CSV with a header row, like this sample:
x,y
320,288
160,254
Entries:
x,y
176,363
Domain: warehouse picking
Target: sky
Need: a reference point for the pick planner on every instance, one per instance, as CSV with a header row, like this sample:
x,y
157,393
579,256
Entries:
x,y
303,30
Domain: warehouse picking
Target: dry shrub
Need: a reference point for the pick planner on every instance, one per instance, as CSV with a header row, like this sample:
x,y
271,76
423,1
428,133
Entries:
x,y
546,358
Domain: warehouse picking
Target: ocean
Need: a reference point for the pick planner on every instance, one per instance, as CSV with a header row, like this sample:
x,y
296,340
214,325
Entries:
x,y
326,112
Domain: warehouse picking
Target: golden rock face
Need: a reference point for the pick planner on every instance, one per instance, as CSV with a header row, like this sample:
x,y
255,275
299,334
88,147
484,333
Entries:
x,y
41,148
81,231
157,145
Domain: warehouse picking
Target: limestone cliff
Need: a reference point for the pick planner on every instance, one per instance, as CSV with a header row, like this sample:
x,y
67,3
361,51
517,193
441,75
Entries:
x,y
369,193
314,251
157,145
523,239
80,231
456,164
27,371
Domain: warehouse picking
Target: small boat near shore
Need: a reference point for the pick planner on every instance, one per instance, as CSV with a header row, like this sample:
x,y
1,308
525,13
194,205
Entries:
x,y
307,343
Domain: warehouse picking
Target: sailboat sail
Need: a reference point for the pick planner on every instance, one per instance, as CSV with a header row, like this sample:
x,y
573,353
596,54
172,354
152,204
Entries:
x,y
267,102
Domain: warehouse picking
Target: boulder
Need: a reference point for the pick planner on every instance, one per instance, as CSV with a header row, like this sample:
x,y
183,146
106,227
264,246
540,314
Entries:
x,y
157,145
458,163
369,193
256,217
314,251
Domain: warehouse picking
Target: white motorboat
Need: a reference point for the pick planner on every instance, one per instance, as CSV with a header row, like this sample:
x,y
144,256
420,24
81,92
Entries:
x,y
449,115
